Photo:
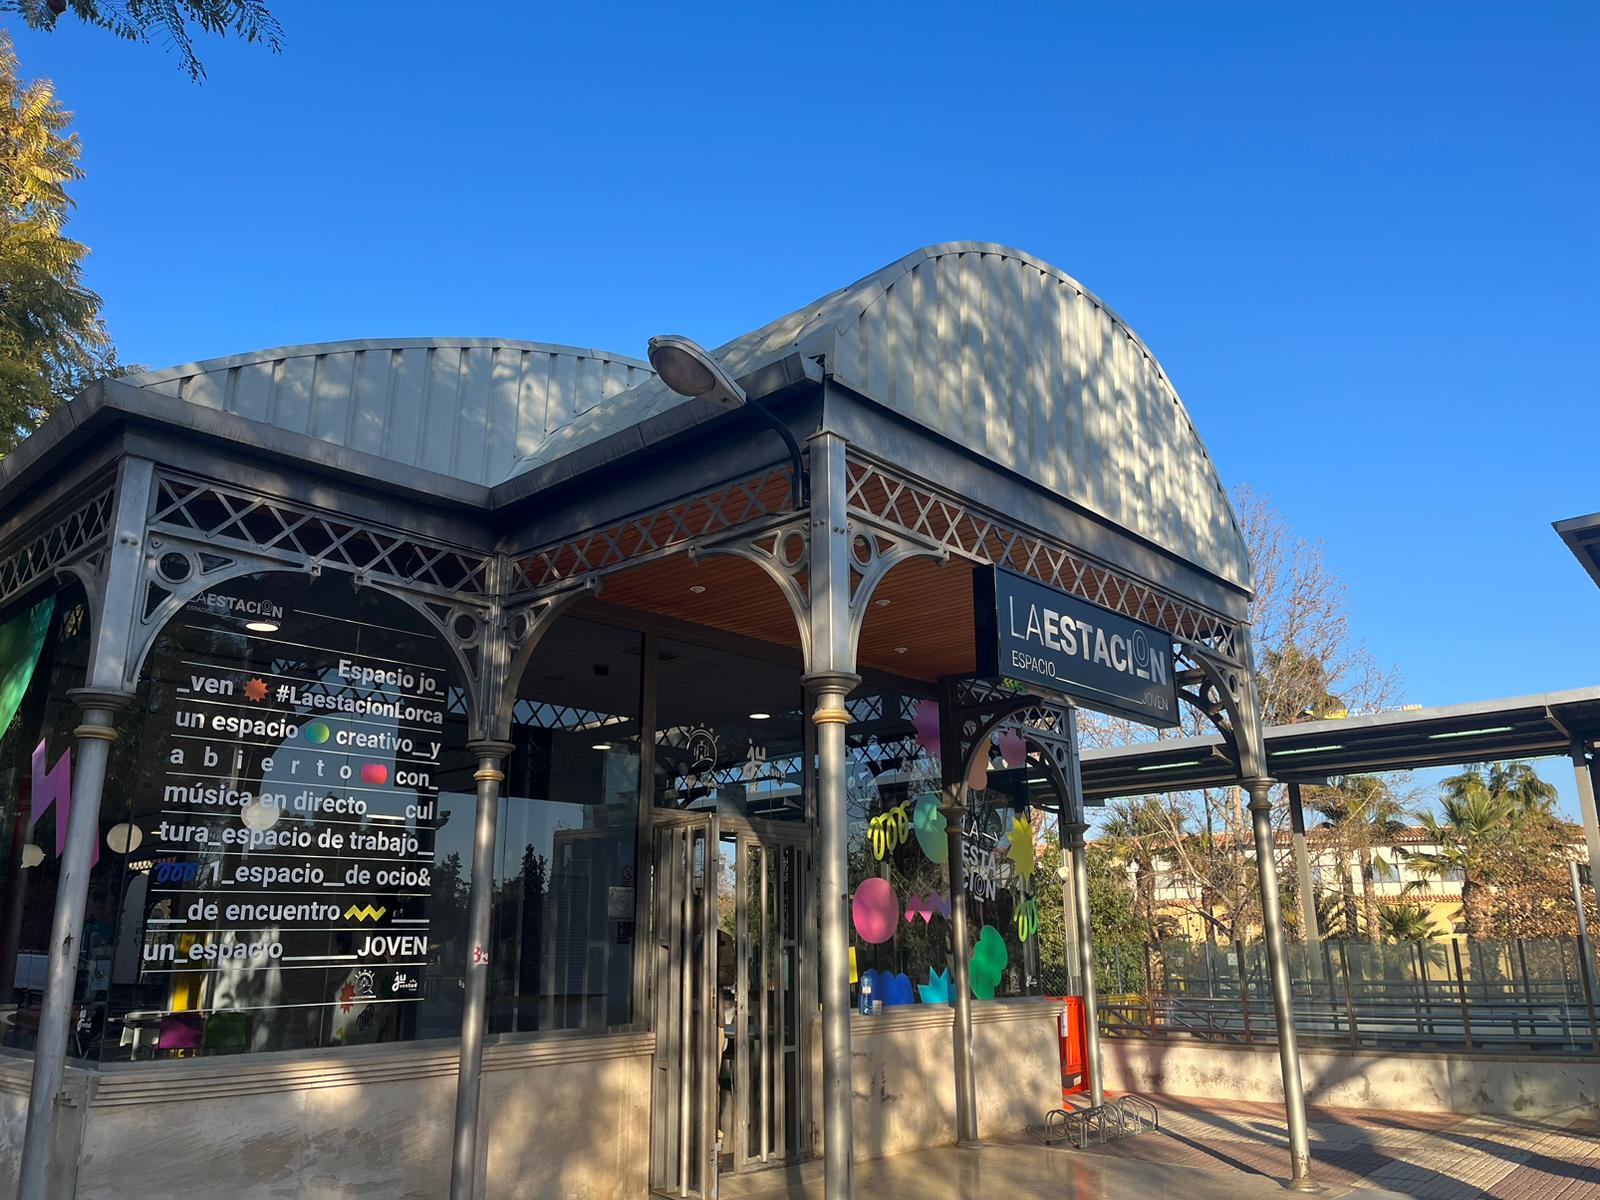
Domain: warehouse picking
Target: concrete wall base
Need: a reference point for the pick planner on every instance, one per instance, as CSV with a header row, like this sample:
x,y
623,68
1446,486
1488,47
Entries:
x,y
561,1118
903,1073
1411,1081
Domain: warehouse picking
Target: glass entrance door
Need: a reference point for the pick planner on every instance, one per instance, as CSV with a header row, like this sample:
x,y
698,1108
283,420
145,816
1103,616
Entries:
x,y
763,1061
730,980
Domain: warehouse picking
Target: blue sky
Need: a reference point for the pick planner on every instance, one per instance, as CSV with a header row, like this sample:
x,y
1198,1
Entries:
x,y
1361,238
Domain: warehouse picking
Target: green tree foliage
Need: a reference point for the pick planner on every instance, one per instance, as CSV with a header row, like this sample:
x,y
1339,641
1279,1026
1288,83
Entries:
x,y
52,342
1360,813
1497,827
1406,923
1119,929
175,21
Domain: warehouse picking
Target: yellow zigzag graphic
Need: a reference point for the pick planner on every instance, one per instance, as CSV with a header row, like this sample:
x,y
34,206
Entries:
x,y
365,913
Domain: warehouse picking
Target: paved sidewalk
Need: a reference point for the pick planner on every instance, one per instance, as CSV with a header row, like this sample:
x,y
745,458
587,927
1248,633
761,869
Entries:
x,y
1015,1171
1431,1156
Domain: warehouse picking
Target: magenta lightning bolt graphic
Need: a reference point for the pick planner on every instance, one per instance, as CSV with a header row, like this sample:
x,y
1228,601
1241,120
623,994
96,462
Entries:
x,y
54,787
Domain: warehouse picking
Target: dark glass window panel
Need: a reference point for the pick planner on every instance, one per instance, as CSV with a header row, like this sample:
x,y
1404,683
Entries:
x,y
728,734
567,851
290,855
43,652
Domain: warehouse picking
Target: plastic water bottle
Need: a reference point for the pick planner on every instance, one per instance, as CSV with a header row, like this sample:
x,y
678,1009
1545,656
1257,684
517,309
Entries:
x,y
866,998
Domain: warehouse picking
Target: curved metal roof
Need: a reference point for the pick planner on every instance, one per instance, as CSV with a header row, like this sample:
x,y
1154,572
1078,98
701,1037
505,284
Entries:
x,y
990,347
467,407
1012,358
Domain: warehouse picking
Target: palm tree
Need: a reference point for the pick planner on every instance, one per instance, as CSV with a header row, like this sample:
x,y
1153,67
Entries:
x,y
1379,817
1340,807
1134,832
1486,809
1406,922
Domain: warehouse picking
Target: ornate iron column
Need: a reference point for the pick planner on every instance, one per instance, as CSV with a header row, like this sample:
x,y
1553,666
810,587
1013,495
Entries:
x,y
94,737
1079,867
464,1149
1075,829
111,583
1294,1097
830,677
955,811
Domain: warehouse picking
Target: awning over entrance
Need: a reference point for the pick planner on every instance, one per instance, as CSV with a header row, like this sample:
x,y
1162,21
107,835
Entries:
x,y
1486,731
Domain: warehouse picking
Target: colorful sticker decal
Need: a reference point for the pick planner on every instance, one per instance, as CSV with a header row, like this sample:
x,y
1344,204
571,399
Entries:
x,y
927,907
888,831
875,910
1019,847
1027,919
895,989
989,959
937,989
928,823
925,720
1013,749
978,773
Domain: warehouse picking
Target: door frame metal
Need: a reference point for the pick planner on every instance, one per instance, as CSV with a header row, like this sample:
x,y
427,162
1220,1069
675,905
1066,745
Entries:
x,y
762,845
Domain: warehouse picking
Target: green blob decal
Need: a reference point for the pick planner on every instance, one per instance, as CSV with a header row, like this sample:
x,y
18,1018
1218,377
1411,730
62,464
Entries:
x,y
989,959
928,823
316,733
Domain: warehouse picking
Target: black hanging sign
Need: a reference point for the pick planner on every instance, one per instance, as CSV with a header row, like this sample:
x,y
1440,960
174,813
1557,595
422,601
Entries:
x,y
1047,639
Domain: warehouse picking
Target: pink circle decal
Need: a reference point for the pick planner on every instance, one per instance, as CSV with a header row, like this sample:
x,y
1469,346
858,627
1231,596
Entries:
x,y
875,910
374,774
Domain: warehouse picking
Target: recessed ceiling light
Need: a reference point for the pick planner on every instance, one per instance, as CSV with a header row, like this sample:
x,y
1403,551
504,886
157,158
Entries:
x,y
697,588
601,746
261,626
881,603
900,649
760,716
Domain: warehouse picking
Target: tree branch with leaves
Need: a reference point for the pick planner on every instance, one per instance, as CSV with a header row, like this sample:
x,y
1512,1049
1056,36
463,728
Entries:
x,y
174,21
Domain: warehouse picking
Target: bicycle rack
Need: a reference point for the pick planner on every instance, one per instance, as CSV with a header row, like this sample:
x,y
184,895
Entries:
x,y
1127,1116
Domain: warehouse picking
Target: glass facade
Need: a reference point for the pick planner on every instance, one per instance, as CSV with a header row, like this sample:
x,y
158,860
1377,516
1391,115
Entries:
x,y
43,652
730,733
899,859
284,859
567,849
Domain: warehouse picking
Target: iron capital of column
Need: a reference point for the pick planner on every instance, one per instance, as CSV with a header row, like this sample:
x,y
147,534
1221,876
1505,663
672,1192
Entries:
x,y
1260,793
87,698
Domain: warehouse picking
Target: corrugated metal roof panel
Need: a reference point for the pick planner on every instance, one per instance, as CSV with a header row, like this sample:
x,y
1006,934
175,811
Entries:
x,y
467,407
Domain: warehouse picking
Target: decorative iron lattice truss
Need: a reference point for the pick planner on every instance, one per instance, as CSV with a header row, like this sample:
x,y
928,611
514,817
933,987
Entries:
x,y
657,533
75,536
280,529
963,528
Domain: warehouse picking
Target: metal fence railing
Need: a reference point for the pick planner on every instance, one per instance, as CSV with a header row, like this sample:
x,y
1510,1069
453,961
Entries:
x,y
1498,997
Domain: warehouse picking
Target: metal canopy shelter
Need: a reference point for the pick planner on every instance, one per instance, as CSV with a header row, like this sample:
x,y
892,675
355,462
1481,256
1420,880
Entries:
x,y
1554,723
1486,731
967,405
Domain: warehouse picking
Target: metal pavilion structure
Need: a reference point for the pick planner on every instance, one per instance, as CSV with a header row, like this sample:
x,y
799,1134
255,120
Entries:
x,y
967,405
1564,724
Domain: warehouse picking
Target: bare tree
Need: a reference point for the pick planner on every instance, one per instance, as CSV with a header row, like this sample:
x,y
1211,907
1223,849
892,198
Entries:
x,y
1310,665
